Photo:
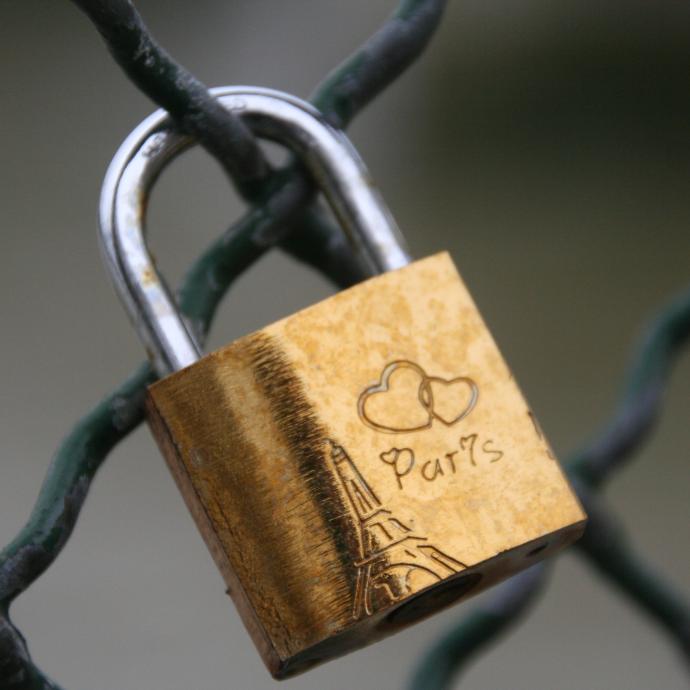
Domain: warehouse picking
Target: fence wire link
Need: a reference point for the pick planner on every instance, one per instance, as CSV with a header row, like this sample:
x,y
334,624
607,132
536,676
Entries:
x,y
172,87
284,206
605,546
283,214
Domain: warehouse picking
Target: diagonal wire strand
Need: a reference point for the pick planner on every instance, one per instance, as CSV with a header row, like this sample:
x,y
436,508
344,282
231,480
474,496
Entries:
x,y
174,88
86,447
443,662
640,404
606,548
287,218
604,544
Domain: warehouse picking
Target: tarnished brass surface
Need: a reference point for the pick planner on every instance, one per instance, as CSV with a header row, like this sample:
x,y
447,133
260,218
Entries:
x,y
361,464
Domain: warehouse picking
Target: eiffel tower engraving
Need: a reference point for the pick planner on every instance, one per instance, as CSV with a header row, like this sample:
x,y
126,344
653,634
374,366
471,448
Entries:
x,y
391,554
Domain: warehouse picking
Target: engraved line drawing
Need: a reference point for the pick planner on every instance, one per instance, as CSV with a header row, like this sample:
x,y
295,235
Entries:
x,y
417,417
473,450
402,461
467,443
393,560
493,451
427,397
407,399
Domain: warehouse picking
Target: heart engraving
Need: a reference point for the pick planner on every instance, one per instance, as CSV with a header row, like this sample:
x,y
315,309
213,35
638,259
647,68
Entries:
x,y
406,399
386,407
451,400
398,455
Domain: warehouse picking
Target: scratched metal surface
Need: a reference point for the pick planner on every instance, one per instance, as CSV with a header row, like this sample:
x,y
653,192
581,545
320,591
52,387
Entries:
x,y
560,188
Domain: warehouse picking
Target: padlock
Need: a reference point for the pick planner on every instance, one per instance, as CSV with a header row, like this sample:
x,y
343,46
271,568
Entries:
x,y
360,464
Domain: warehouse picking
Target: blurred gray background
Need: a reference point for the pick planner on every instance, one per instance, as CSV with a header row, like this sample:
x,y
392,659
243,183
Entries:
x,y
546,145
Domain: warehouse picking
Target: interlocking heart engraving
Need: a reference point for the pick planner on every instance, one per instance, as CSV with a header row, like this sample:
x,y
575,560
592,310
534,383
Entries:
x,y
407,399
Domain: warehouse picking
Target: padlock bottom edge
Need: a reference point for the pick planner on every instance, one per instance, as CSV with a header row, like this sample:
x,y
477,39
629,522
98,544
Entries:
x,y
428,602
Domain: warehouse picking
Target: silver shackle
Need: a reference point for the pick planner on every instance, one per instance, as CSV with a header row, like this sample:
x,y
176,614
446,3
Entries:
x,y
330,157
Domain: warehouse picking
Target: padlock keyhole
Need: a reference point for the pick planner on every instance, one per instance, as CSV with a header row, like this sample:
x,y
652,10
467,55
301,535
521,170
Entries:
x,y
432,600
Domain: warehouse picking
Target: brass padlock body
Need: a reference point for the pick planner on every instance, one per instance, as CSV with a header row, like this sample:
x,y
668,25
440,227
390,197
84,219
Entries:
x,y
361,464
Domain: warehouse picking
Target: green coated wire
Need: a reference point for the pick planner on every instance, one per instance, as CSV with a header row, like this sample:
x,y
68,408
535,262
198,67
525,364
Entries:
x,y
607,549
440,665
604,545
306,234
86,447
641,399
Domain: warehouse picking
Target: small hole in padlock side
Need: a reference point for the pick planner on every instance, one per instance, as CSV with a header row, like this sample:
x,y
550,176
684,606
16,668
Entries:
x,y
536,550
432,600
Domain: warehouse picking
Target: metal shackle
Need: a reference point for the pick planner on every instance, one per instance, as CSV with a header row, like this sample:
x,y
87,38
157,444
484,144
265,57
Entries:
x,y
327,153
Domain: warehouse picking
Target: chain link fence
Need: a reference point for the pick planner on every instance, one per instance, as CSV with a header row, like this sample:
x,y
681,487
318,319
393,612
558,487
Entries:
x,y
283,213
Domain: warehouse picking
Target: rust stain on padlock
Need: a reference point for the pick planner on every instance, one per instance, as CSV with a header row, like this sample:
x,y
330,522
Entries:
x,y
361,464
